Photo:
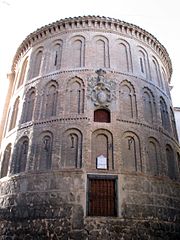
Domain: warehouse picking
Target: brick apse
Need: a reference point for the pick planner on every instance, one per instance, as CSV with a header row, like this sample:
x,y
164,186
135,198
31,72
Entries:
x,y
89,146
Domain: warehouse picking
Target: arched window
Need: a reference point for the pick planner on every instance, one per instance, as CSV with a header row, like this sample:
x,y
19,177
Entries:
x,y
51,99
131,154
102,115
37,63
5,161
170,162
75,96
102,150
164,114
45,153
20,158
149,106
154,157
127,97
72,149
14,114
57,50
23,73
29,106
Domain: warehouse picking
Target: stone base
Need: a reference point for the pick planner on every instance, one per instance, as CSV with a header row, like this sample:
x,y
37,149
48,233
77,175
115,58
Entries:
x,y
92,229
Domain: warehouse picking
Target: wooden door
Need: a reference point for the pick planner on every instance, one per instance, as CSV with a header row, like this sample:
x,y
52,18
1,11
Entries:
x,y
102,197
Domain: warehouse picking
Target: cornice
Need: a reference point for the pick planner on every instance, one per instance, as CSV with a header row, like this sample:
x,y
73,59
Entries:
x,y
92,22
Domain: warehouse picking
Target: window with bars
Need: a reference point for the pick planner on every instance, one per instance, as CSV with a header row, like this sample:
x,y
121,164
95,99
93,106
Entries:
x,y
102,196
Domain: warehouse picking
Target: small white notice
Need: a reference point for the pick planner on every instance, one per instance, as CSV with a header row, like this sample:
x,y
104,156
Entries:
x,y
101,162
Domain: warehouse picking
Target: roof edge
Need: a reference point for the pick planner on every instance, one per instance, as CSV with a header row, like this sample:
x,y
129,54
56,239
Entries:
x,y
89,22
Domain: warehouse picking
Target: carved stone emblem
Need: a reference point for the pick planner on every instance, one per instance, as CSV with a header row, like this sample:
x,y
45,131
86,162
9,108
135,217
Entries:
x,y
101,90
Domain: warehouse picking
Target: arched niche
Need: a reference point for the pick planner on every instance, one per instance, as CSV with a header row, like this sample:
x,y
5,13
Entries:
x,y
6,160
75,96
153,157
20,155
71,155
131,152
102,148
44,151
127,100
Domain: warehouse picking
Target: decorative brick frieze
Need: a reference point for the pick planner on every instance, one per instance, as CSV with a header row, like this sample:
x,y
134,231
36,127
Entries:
x,y
89,23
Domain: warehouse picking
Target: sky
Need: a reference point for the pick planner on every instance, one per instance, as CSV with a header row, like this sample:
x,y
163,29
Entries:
x,y
18,18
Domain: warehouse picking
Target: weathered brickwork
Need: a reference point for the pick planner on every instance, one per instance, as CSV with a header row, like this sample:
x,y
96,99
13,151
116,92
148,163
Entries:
x,y
89,145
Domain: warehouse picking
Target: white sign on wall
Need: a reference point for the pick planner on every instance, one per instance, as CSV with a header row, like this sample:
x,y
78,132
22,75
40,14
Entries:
x,y
101,162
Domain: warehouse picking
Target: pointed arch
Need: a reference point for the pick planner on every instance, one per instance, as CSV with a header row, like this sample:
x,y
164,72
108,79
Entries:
x,y
72,149
173,124
124,60
102,146
149,105
178,161
156,74
29,104
131,152
23,73
7,122
101,52
164,114
143,62
37,62
127,100
154,156
20,155
75,96
165,80
57,53
50,98
14,114
170,162
6,160
77,47
45,146
16,82
77,51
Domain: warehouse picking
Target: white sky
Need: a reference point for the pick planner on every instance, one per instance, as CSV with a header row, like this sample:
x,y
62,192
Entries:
x,y
18,18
